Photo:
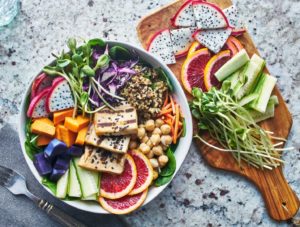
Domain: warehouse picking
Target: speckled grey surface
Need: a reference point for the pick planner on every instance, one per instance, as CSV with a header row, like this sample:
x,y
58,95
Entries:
x,y
199,195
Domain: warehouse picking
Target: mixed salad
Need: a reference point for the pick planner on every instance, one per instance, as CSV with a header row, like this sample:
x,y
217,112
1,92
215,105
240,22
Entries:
x,y
231,93
103,125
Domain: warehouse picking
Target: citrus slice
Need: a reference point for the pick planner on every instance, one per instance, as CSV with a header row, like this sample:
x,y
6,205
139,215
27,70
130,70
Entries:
x,y
230,46
144,172
236,43
123,205
193,69
194,47
213,66
115,186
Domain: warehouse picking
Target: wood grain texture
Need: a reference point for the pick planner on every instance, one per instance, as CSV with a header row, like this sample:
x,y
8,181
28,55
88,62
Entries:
x,y
281,201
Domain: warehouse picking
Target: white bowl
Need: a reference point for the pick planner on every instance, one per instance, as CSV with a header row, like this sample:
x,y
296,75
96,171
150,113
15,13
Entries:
x,y
180,153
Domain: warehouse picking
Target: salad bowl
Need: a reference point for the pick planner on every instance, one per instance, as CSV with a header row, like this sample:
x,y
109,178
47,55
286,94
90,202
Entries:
x,y
180,152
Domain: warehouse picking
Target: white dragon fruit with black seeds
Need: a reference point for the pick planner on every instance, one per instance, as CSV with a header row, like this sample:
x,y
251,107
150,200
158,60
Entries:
x,y
182,39
232,15
161,46
184,17
213,39
59,97
209,16
37,106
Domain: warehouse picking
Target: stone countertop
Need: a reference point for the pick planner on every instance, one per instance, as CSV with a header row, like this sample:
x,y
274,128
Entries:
x,y
199,195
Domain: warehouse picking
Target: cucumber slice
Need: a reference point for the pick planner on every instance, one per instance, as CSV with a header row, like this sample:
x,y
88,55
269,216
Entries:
x,y
274,99
88,179
236,62
252,73
264,89
74,186
247,99
270,112
62,186
91,197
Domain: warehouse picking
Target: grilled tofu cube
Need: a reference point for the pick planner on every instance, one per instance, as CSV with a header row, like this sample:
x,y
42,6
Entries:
x,y
118,144
97,159
121,121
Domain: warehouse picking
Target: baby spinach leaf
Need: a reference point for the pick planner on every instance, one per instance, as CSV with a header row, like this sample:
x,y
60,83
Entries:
x,y
96,42
119,53
161,180
49,184
170,168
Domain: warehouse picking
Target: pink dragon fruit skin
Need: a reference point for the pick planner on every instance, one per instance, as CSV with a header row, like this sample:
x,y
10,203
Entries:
x,y
161,46
59,97
209,16
184,17
40,83
37,107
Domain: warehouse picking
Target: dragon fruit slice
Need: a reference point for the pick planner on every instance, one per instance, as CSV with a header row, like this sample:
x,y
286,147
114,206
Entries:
x,y
182,39
209,16
40,83
161,46
213,39
234,20
59,97
37,106
184,17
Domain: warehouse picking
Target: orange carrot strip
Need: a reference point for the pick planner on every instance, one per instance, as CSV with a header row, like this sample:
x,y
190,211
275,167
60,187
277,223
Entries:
x,y
165,112
166,106
176,124
179,123
166,100
172,103
169,116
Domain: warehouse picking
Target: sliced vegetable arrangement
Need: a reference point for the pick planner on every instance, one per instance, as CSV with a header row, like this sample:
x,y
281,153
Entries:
x,y
103,126
231,93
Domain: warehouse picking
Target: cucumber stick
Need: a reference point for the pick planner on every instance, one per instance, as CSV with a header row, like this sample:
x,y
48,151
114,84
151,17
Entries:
x,y
236,62
62,186
270,112
251,74
88,180
91,197
264,89
247,99
274,99
74,186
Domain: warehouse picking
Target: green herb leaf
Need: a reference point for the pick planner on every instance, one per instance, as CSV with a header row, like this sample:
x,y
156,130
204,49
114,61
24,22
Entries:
x,y
84,98
161,180
50,70
102,61
119,53
163,76
88,71
96,42
77,59
62,63
72,45
86,50
170,168
49,184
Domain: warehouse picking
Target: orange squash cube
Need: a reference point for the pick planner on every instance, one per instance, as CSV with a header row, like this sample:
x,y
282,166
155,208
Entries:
x,y
81,136
67,136
76,124
40,127
60,116
43,140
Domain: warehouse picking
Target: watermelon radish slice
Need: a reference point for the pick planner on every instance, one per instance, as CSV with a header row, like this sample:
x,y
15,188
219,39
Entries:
x,y
209,16
59,97
40,83
161,46
182,40
184,17
37,106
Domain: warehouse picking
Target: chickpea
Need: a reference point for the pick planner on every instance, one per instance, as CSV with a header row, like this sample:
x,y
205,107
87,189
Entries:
x,y
145,139
150,154
154,162
141,126
141,133
166,140
155,139
164,147
159,122
156,131
155,175
149,143
150,125
157,150
163,160
165,129
133,144
144,148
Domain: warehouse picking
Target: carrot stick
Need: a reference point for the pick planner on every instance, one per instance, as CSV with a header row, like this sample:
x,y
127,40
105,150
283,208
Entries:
x,y
166,106
176,124
179,134
173,105
166,100
179,123
169,116
163,112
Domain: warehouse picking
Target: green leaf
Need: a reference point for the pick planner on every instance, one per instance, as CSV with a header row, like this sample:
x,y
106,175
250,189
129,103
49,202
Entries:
x,y
62,63
96,42
161,180
49,184
72,44
88,71
50,70
196,92
77,59
184,128
163,76
170,168
102,61
84,98
86,50
119,53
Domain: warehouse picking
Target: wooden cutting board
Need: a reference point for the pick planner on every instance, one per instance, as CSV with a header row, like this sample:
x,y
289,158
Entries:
x,y
281,201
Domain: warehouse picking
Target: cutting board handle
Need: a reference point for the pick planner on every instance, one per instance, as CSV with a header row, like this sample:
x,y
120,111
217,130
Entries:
x,y
281,201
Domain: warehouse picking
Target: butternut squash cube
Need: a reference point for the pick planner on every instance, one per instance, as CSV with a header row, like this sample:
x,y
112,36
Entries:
x,y
46,120
40,127
81,136
57,131
76,124
43,140
67,136
60,116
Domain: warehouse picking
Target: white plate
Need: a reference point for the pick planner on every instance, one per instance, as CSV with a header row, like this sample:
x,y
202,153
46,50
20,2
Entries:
x,y
180,153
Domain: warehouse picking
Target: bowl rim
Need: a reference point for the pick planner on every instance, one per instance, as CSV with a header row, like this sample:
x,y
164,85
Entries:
x,y
184,144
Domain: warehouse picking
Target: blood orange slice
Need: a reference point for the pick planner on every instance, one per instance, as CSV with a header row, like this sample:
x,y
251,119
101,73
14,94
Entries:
x,y
144,172
193,69
114,186
230,46
236,43
123,205
212,66
194,47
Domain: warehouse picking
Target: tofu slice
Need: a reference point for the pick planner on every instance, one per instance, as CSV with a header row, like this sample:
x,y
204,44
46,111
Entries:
x,y
122,121
97,159
118,144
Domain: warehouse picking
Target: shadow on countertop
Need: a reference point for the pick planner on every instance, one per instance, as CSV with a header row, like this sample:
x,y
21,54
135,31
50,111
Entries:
x,y
20,211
